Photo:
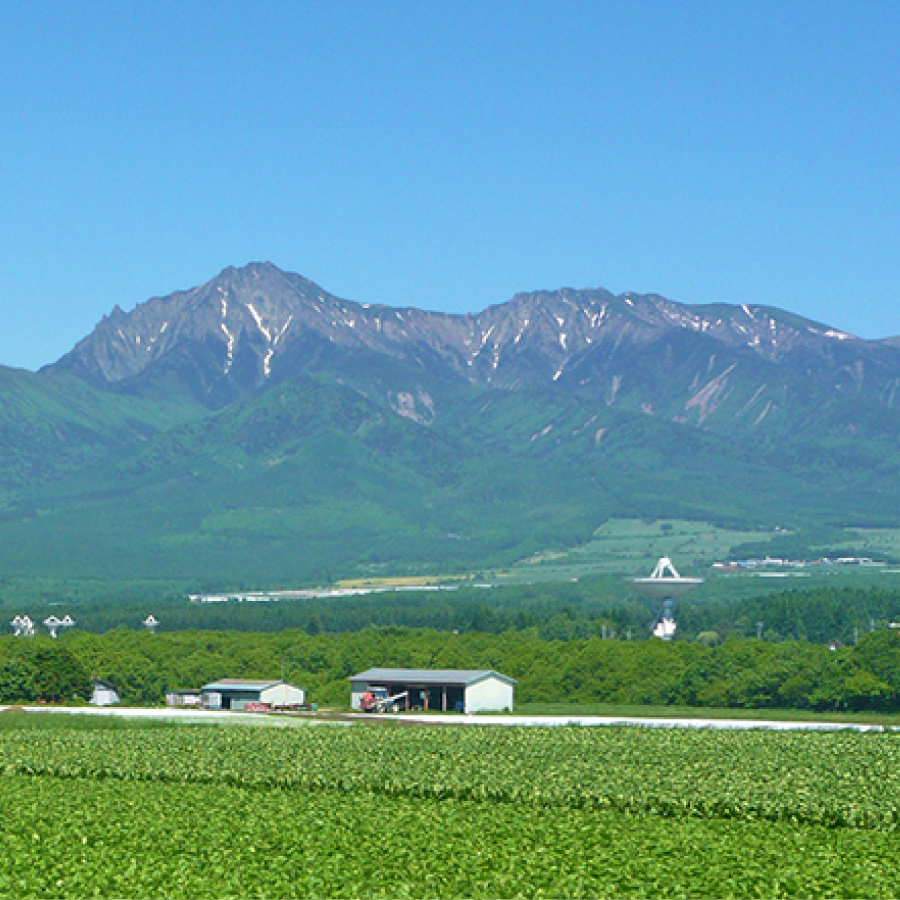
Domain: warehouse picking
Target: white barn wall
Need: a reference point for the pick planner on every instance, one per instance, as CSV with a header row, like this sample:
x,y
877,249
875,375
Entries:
x,y
357,689
104,697
489,695
282,695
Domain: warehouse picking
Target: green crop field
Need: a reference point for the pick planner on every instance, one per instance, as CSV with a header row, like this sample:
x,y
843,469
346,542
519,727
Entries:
x,y
187,811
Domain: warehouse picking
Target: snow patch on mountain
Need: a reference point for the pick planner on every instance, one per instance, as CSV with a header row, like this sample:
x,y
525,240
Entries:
x,y
229,336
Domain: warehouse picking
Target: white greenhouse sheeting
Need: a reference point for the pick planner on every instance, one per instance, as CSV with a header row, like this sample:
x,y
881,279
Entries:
x,y
203,715
637,721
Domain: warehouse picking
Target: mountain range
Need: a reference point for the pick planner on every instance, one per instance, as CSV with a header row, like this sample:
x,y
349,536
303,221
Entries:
x,y
257,429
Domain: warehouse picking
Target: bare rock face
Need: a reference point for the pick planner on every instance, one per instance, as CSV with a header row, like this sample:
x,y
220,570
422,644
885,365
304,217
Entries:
x,y
718,366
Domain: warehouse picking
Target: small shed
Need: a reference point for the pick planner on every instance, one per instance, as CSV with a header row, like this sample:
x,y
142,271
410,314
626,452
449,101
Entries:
x,y
103,693
236,693
445,690
191,698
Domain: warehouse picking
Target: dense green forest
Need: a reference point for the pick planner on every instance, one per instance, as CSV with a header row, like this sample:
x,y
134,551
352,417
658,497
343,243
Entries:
x,y
584,642
740,672
602,606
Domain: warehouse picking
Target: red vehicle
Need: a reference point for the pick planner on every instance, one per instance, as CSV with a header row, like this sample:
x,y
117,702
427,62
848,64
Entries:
x,y
376,699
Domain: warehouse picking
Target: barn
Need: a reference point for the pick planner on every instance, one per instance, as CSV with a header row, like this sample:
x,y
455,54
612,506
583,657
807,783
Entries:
x,y
445,690
103,693
236,693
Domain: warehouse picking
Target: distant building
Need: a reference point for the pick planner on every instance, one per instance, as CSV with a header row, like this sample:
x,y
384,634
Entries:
x,y
445,690
103,693
191,698
236,693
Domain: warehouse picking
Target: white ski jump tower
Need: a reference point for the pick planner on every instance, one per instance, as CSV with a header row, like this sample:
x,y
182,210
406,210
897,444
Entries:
x,y
23,626
665,584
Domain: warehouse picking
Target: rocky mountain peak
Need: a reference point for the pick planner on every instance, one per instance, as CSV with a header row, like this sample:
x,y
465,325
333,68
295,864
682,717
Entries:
x,y
253,325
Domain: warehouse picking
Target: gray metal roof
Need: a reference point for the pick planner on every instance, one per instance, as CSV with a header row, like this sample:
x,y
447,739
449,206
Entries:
x,y
239,684
430,676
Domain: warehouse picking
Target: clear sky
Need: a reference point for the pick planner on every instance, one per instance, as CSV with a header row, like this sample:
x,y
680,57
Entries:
x,y
448,154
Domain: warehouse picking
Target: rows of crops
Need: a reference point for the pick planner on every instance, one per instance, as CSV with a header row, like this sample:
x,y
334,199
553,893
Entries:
x,y
77,838
839,779
215,811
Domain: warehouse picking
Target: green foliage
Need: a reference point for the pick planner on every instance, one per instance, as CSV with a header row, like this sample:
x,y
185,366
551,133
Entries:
x,y
17,719
739,673
57,425
42,669
186,811
708,638
310,480
112,839
838,779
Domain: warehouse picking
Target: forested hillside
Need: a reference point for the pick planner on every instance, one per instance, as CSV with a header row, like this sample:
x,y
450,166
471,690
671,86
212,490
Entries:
x,y
257,430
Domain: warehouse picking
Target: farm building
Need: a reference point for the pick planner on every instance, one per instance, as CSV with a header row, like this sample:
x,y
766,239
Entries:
x,y
184,698
446,690
236,693
103,693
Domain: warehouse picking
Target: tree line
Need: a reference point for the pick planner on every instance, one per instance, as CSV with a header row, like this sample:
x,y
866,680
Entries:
x,y
595,607
738,673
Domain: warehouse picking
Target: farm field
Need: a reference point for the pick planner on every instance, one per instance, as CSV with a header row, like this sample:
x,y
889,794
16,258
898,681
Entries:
x,y
183,811
632,547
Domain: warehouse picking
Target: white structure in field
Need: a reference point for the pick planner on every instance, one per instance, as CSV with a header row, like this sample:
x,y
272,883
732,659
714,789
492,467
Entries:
x,y
103,693
151,623
191,698
23,626
665,584
445,690
53,624
665,625
236,693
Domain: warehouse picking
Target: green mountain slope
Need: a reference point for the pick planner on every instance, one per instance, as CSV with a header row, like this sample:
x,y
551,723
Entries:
x,y
257,430
54,424
309,480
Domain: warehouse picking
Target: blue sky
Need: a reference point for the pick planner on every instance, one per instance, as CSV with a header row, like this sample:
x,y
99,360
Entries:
x,y
447,155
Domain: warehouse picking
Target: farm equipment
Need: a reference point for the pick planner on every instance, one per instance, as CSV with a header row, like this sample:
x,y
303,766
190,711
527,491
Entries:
x,y
377,700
